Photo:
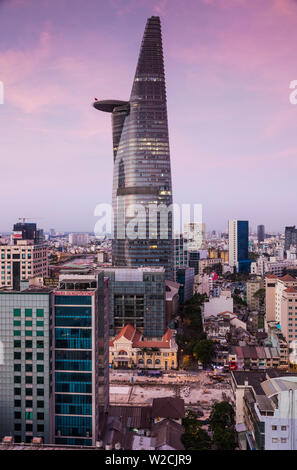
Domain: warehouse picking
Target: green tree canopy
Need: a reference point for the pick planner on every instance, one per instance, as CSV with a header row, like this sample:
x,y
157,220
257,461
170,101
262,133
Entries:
x,y
204,351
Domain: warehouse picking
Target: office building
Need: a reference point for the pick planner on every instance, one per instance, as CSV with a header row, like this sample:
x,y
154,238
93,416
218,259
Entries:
x,y
260,233
137,297
185,277
80,359
239,245
27,231
290,237
25,364
22,261
142,174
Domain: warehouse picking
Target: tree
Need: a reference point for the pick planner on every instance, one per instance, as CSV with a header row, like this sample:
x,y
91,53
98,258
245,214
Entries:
x,y
222,414
194,437
203,350
260,294
222,424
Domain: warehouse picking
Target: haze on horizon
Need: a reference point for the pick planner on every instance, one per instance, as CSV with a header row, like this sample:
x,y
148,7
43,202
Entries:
x,y
232,128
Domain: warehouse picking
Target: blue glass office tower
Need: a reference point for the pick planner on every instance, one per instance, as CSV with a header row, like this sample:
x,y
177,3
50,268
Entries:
x,y
239,245
80,360
142,174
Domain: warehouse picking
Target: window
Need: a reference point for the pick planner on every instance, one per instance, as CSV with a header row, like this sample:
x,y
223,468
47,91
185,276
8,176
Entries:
x,y
28,323
17,332
40,415
17,403
29,415
17,367
283,440
28,379
28,356
17,379
39,312
40,427
39,356
17,312
17,343
28,343
29,403
29,367
40,404
274,440
29,391
39,333
17,391
17,415
17,323
274,428
40,368
39,323
17,355
40,380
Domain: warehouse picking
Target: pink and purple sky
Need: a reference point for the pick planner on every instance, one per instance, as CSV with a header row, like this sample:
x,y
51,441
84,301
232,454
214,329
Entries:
x,y
232,128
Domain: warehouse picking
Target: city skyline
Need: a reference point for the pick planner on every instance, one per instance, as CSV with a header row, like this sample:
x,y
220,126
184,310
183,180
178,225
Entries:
x,y
222,81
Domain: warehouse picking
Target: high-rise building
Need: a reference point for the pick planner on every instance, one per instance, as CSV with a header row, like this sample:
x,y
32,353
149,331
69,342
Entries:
x,y
239,245
25,363
290,237
142,174
22,261
261,233
80,359
137,297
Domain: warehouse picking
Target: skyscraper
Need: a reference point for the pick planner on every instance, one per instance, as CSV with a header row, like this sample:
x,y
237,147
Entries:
x,y
260,233
290,237
239,245
142,174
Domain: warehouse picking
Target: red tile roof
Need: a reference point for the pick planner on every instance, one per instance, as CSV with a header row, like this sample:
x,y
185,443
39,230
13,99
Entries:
x,y
272,276
291,290
131,334
288,277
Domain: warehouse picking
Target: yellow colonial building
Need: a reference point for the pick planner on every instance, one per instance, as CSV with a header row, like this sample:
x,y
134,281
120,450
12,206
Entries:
x,y
129,349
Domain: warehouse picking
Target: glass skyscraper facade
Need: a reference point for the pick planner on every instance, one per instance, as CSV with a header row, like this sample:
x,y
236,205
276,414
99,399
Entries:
x,y
142,174
137,297
25,364
80,332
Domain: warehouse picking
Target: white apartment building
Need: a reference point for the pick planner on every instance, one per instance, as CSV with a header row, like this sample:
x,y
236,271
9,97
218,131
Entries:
x,y
78,239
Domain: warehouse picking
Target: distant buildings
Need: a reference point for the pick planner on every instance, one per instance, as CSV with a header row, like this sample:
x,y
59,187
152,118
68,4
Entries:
x,y
238,245
261,233
290,237
78,239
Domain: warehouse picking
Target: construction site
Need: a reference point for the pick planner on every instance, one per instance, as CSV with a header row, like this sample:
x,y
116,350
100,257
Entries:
x,y
199,391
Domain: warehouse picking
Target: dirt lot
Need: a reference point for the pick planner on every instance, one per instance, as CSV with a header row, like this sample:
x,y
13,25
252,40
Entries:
x,y
198,390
